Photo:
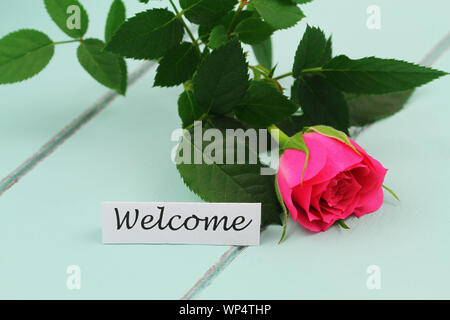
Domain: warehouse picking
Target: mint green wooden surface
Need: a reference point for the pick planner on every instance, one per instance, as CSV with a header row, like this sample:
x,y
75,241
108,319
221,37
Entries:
x,y
408,240
33,111
51,218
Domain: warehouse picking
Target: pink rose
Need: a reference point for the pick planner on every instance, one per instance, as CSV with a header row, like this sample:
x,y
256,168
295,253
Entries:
x,y
337,182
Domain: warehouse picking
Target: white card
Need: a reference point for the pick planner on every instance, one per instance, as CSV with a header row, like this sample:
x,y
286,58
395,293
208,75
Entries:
x,y
181,223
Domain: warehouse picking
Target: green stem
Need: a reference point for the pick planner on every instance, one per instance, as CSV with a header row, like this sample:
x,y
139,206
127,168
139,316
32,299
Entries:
x,y
68,41
318,69
283,138
180,16
236,16
283,76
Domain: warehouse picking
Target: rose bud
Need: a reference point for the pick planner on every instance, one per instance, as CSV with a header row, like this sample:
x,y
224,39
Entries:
x,y
338,181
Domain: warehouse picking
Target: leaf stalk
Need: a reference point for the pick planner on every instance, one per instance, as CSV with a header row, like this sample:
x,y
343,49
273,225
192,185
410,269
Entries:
x,y
236,16
279,135
68,41
189,32
283,76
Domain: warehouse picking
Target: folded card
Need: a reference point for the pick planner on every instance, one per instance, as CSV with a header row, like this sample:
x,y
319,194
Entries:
x,y
181,223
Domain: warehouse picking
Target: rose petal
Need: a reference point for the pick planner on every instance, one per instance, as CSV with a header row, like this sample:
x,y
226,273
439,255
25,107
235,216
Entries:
x,y
319,202
377,166
371,194
316,194
330,215
301,196
316,225
339,156
369,202
286,194
342,195
292,162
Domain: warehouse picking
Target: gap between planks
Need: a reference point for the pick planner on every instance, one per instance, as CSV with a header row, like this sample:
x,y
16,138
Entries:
x,y
48,148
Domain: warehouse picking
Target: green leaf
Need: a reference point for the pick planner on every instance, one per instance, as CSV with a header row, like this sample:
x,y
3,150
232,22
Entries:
x,y
322,103
148,35
229,182
206,11
376,76
294,124
23,54
301,1
253,31
205,29
263,53
103,66
188,109
69,16
116,17
178,65
218,37
222,79
264,105
280,14
227,20
124,73
313,51
366,109
332,133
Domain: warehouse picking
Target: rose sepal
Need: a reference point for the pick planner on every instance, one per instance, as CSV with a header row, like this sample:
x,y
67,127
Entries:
x,y
285,210
332,133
